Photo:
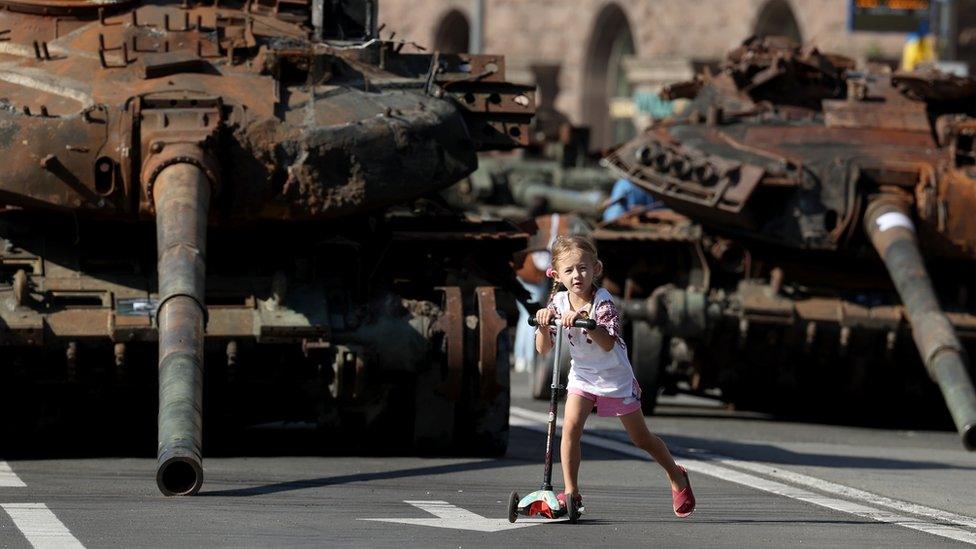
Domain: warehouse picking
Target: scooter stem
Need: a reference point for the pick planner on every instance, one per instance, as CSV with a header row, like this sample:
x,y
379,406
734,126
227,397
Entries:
x,y
553,409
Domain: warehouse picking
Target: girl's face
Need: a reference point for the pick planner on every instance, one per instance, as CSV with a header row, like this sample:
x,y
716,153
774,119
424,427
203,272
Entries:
x,y
577,270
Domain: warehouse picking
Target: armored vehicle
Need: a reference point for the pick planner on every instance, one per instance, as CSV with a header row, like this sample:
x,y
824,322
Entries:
x,y
551,176
249,185
831,253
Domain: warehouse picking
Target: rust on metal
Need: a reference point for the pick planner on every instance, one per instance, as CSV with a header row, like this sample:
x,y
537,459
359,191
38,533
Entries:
x,y
490,325
194,55
782,163
302,145
182,198
451,324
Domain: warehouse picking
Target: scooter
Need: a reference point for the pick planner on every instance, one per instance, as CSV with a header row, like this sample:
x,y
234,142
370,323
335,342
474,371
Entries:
x,y
543,502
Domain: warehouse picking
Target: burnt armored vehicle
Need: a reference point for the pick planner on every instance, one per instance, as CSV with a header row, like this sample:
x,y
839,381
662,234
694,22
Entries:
x,y
836,248
552,174
245,183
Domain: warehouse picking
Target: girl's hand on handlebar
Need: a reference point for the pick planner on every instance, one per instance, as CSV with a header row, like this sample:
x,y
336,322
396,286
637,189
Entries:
x,y
569,318
543,316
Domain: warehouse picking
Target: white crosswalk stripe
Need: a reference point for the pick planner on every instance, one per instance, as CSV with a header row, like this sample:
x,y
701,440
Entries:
x,y
852,493
8,478
42,529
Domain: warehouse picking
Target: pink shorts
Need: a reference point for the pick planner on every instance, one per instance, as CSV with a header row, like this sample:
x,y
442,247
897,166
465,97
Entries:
x,y
611,406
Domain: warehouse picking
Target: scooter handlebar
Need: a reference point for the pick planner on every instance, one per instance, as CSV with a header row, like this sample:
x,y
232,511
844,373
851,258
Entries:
x,y
587,323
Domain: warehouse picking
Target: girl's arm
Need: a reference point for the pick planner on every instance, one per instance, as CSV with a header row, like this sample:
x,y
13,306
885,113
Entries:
x,y
602,338
607,332
543,342
543,335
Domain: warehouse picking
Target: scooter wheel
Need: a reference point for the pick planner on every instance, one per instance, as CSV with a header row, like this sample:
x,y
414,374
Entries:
x,y
571,509
513,501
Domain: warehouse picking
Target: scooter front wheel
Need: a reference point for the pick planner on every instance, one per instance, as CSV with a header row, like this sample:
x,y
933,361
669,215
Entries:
x,y
513,501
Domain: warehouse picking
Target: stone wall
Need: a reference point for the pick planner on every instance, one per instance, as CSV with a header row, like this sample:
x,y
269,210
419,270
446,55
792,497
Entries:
x,y
560,31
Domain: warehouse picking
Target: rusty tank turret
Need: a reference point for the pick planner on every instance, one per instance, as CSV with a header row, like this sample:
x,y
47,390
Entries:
x,y
833,252
253,186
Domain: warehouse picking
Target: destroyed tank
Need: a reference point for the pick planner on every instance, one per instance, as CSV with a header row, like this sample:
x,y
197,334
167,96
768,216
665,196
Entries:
x,y
249,186
820,250
552,174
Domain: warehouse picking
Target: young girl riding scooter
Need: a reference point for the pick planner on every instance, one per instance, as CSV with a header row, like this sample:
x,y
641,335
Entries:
x,y
601,376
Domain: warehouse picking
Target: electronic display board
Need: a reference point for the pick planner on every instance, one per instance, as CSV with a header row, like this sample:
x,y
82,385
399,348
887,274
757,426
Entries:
x,y
887,15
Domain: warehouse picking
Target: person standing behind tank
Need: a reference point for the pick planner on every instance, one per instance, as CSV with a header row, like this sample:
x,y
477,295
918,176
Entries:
x,y
626,196
920,48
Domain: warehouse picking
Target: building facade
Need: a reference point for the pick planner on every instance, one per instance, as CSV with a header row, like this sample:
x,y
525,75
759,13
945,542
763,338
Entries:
x,y
590,56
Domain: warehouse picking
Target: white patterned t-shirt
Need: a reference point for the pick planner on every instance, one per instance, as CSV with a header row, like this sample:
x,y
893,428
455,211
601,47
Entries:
x,y
604,373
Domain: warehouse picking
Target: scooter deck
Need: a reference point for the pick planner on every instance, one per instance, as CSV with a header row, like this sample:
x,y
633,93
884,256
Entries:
x,y
542,503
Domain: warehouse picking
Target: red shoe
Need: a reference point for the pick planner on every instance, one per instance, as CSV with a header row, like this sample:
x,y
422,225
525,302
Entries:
x,y
684,500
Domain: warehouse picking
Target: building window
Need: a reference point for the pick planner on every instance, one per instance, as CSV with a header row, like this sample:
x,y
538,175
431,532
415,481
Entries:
x,y
776,19
607,94
453,33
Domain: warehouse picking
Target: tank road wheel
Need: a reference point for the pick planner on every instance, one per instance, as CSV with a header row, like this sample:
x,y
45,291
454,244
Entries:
x,y
490,398
645,356
438,387
461,400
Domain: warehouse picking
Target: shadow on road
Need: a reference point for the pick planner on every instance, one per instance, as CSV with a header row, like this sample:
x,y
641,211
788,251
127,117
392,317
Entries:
x,y
360,477
526,448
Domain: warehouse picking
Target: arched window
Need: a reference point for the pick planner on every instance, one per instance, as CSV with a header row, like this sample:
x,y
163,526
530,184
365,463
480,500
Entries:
x,y
776,19
453,33
605,81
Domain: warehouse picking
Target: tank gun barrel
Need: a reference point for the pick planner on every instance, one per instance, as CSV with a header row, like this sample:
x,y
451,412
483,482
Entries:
x,y
181,195
560,199
893,234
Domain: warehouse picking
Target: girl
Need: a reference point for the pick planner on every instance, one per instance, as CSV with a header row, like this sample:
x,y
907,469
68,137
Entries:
x,y
601,376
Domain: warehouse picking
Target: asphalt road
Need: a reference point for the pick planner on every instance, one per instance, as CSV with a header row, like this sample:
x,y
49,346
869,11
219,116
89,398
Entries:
x,y
760,482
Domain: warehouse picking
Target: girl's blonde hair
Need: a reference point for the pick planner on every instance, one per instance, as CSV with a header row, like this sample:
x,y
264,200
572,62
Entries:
x,y
562,246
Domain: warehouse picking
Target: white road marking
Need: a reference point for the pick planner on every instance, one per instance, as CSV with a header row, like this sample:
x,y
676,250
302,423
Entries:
x,y
8,478
452,516
41,528
521,417
852,493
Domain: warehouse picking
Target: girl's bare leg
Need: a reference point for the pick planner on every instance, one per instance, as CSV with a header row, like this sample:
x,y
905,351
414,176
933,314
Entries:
x,y
574,417
653,445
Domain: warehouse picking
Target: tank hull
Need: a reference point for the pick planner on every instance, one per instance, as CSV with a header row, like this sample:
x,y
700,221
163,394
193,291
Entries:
x,y
347,337
784,293
288,156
